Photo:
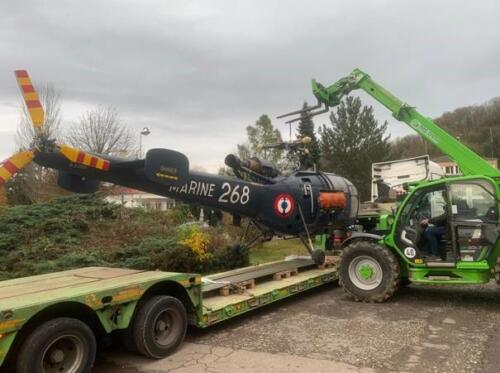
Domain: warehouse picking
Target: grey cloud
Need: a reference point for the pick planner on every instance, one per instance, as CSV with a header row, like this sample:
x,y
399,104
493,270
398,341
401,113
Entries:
x,y
201,71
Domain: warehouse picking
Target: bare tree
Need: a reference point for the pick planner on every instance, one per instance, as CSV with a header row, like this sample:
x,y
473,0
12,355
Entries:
x,y
101,131
50,98
34,182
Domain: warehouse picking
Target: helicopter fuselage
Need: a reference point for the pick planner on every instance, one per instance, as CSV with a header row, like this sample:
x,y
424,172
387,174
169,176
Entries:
x,y
286,206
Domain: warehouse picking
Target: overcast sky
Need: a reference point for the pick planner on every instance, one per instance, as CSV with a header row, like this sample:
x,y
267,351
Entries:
x,y
198,72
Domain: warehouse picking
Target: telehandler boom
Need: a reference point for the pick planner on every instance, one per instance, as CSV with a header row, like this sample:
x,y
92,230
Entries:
x,y
469,162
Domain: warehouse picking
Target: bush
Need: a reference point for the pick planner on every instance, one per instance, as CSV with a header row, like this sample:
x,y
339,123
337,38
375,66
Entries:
x,y
80,231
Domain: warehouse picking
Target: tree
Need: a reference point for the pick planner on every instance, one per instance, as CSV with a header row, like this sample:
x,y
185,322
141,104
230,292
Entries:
x,y
476,126
35,183
410,146
101,131
311,159
353,142
3,196
262,133
50,97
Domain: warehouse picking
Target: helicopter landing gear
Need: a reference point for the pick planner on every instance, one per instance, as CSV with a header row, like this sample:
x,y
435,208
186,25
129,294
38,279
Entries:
x,y
318,256
262,236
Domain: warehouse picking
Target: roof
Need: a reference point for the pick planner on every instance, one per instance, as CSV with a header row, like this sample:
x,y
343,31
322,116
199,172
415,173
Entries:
x,y
120,190
445,158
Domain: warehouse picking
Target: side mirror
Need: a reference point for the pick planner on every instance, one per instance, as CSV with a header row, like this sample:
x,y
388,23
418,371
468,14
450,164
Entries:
x,y
167,167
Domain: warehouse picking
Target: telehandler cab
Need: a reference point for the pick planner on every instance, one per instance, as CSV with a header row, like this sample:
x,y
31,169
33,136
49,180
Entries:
x,y
373,267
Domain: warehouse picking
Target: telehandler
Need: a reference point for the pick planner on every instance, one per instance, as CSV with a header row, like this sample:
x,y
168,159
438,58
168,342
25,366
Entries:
x,y
373,267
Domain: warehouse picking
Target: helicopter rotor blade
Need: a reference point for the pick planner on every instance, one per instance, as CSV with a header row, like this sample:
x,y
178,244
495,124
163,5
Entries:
x,y
14,164
78,156
31,99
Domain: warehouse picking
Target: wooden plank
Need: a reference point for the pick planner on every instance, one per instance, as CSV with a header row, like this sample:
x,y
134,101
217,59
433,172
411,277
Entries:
x,y
220,280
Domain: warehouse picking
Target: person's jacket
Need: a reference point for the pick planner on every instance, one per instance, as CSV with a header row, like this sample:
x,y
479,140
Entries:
x,y
439,221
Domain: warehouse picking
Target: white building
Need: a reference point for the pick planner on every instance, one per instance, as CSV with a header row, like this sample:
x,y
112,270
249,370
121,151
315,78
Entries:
x,y
450,168
136,198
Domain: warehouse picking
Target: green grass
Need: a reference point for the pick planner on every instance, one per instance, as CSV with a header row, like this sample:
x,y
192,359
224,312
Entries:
x,y
276,250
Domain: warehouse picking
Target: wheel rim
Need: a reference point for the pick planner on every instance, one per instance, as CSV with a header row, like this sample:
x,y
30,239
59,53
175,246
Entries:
x,y
64,354
164,326
365,272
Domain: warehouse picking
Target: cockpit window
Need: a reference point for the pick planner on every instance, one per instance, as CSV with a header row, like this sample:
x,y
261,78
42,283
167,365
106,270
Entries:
x,y
473,201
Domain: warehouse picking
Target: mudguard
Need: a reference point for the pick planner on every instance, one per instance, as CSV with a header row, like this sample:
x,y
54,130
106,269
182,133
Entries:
x,y
361,235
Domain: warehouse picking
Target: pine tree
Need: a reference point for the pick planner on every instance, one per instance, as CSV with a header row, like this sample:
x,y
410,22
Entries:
x,y
353,142
310,160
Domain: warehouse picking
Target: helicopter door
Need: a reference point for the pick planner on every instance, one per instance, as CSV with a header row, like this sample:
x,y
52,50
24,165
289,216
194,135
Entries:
x,y
474,223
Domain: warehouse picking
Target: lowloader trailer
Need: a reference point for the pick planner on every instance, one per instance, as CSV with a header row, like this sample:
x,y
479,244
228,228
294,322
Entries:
x,y
53,322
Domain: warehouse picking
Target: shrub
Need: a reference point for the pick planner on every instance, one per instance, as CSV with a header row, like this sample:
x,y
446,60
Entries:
x,y
78,231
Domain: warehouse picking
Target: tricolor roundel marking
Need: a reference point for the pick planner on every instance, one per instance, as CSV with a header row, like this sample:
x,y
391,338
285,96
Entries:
x,y
284,204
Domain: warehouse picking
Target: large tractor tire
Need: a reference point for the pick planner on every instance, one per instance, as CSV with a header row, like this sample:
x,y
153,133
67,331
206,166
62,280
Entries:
x,y
369,272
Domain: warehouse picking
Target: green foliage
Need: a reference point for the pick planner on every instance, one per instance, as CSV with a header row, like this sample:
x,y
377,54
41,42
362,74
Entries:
x,y
80,231
310,160
262,133
353,142
181,213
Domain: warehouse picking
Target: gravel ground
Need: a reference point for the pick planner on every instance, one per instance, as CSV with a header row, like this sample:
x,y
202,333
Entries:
x,y
421,329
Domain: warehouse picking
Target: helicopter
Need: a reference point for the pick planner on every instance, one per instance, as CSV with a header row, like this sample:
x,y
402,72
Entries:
x,y
299,203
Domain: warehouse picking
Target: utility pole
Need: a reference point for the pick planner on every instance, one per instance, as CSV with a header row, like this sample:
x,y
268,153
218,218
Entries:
x,y
144,132
492,144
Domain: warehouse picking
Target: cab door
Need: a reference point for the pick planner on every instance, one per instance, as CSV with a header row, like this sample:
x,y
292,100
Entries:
x,y
424,203
474,218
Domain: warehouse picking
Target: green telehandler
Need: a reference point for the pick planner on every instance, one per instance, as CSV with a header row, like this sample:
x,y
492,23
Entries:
x,y
464,210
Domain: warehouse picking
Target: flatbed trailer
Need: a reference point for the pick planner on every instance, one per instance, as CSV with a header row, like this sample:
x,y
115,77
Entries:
x,y
52,322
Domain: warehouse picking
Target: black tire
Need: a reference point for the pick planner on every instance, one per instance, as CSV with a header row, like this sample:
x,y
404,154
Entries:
x,y
319,257
369,272
404,282
126,337
159,326
63,344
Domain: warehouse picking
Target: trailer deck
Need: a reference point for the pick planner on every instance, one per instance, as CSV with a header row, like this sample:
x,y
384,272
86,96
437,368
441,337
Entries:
x,y
113,294
224,298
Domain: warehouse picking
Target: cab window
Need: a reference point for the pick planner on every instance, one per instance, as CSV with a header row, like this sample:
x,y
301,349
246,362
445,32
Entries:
x,y
425,205
473,201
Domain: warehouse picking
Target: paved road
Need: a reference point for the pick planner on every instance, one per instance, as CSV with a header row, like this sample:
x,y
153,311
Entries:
x,y
422,329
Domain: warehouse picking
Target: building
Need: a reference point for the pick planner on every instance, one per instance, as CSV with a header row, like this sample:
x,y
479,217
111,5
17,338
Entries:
x,y
136,198
450,168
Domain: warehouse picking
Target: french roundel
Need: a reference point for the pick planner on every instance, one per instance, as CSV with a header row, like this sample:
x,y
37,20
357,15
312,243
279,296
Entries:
x,y
284,205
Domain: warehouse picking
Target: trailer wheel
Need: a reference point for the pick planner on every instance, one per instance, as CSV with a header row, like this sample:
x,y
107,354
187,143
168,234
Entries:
x,y
59,345
369,272
159,326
